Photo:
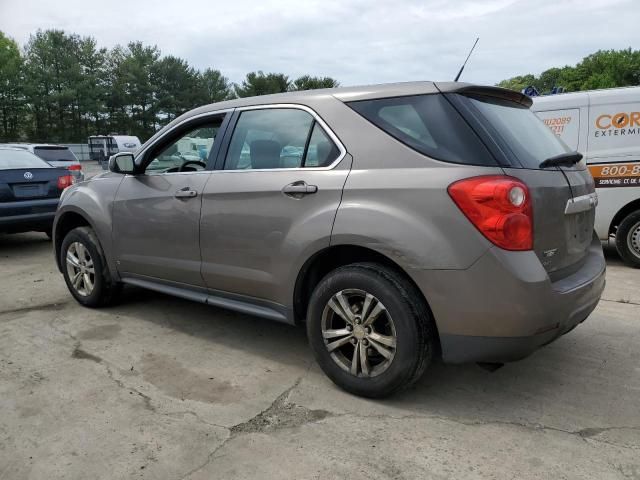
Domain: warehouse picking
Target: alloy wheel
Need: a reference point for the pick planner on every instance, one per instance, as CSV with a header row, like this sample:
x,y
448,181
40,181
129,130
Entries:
x,y
80,269
359,333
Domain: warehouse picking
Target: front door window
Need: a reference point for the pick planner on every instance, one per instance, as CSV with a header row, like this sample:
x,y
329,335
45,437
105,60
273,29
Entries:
x,y
188,153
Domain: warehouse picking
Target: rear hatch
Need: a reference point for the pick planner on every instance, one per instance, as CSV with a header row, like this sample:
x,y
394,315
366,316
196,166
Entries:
x,y
563,197
60,156
30,183
56,155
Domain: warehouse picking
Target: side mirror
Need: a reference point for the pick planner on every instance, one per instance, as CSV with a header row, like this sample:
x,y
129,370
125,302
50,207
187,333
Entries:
x,y
122,163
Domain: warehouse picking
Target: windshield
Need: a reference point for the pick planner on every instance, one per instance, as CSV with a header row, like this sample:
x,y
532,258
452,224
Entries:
x,y
12,159
525,137
55,154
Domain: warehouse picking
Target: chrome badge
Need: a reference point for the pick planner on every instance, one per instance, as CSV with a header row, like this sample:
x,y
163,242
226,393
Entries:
x,y
550,253
28,175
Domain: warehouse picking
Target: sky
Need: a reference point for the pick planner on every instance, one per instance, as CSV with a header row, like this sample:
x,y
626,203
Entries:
x,y
354,41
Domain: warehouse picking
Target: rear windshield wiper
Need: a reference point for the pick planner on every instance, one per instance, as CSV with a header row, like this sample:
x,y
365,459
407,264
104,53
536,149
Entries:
x,y
570,158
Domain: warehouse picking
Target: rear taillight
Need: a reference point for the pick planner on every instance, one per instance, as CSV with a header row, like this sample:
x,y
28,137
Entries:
x,y
498,206
75,167
65,181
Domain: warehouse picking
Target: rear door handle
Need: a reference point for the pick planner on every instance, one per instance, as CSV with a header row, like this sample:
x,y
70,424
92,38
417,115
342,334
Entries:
x,y
299,188
185,192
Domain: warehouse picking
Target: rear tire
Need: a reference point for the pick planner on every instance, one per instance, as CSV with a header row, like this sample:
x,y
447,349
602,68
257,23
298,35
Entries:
x,y
379,354
85,269
628,239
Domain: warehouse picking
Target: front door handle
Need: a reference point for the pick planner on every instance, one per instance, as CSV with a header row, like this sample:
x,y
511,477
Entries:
x,y
299,188
186,192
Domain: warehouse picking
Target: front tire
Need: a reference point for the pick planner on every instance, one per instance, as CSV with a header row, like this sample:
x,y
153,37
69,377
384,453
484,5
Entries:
x,y
370,330
85,270
628,239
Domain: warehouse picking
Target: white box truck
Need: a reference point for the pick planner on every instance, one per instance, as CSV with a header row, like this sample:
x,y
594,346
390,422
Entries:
x,y
101,147
604,125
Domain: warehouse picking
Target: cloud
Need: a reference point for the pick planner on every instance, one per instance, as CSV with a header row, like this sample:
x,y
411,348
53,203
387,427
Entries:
x,y
355,41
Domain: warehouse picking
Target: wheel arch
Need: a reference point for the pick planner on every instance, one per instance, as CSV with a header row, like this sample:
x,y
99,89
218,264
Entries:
x,y
65,222
622,213
332,257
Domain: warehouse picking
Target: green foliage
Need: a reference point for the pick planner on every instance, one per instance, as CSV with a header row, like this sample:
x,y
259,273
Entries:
x,y
63,88
602,69
11,88
307,82
216,87
259,83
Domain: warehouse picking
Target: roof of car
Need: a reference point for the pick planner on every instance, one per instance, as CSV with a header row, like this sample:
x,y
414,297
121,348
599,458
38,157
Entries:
x,y
10,147
364,92
26,144
342,93
349,94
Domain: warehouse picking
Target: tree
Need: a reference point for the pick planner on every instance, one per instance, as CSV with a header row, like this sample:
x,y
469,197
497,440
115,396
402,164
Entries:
x,y
518,83
117,117
11,92
177,88
259,83
91,87
137,70
50,67
64,87
602,69
307,82
215,86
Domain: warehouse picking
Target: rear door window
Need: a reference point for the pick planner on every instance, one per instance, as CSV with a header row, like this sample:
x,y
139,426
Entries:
x,y
275,138
321,151
428,124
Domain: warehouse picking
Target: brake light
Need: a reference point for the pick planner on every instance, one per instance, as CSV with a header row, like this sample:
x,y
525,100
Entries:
x,y
498,206
75,167
65,181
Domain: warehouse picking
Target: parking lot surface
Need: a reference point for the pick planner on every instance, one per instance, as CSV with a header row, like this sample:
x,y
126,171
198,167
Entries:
x,y
161,388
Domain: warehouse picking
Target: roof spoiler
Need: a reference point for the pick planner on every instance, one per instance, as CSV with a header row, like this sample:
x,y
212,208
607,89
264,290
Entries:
x,y
496,92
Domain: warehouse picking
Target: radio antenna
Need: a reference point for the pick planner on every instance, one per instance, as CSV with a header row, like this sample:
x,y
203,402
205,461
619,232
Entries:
x,y
466,60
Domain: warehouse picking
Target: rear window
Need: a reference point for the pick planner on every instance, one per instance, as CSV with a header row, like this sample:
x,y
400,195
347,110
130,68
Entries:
x,y
526,139
429,125
12,159
55,154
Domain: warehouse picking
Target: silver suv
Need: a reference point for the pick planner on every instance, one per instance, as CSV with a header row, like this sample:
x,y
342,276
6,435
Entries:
x,y
54,155
399,222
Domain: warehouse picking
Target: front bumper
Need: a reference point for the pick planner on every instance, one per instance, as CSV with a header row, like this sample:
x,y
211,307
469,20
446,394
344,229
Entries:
x,y
504,307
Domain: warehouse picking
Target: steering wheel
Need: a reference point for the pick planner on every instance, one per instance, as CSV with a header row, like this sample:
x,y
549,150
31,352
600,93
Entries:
x,y
194,162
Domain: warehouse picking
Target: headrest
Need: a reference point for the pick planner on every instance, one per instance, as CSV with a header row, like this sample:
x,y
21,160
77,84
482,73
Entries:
x,y
265,154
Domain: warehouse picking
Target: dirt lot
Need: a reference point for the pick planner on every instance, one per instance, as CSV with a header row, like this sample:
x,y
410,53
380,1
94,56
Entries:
x,y
161,388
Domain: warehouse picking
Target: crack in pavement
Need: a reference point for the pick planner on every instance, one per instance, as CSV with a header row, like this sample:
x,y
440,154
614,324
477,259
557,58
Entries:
x,y
584,434
622,301
81,354
284,414
280,414
194,414
36,308
120,383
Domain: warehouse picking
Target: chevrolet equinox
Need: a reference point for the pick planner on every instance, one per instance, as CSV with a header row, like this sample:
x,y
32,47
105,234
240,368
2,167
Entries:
x,y
398,222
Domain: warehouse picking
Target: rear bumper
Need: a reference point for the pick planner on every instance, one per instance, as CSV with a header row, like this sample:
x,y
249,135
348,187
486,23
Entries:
x,y
28,215
505,306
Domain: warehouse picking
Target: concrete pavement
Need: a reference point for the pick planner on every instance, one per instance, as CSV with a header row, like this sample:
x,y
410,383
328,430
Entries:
x,y
162,388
